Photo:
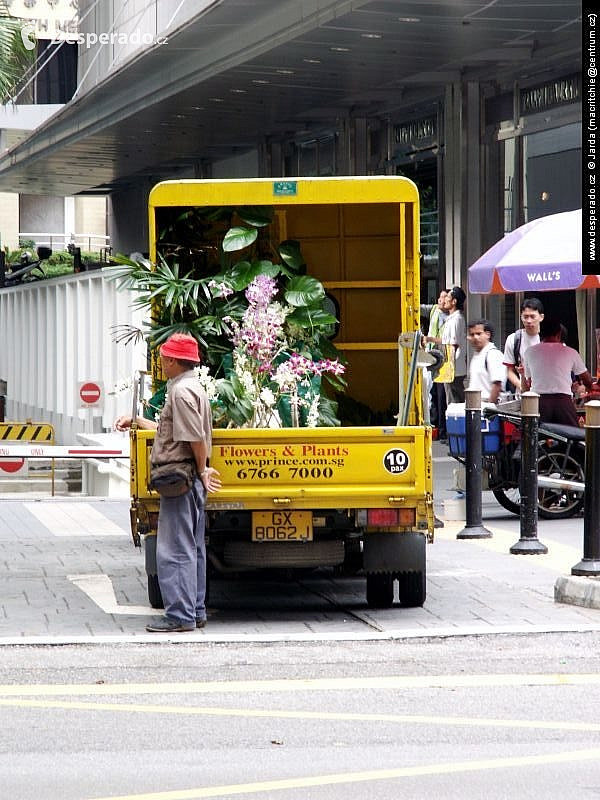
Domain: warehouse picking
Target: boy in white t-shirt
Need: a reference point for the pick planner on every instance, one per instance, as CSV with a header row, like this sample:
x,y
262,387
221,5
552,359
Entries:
x,y
532,314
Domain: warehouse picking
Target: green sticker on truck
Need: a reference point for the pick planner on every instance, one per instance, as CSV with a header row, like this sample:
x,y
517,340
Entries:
x,y
285,188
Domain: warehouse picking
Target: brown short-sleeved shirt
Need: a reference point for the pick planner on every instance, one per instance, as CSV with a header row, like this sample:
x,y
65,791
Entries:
x,y
186,417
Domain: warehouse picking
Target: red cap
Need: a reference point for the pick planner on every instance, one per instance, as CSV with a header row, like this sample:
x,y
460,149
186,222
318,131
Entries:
x,y
181,346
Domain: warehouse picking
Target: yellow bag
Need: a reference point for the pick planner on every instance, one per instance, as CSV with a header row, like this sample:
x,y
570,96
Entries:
x,y
446,371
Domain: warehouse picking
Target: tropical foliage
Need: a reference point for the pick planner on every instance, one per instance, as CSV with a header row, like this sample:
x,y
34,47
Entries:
x,y
260,319
14,57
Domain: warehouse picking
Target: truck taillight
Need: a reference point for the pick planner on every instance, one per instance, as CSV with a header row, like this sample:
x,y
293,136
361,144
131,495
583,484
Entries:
x,y
389,517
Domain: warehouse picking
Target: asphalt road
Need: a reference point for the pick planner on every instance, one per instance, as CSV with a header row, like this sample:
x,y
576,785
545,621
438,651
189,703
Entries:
x,y
459,718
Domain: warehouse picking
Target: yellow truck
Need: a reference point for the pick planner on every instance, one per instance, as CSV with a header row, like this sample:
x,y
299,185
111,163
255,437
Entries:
x,y
356,499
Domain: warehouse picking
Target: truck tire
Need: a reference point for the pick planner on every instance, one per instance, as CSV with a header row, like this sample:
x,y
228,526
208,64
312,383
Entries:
x,y
380,589
412,589
154,595
353,559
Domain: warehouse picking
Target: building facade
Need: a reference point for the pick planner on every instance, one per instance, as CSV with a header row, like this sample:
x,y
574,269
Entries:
x,y
480,105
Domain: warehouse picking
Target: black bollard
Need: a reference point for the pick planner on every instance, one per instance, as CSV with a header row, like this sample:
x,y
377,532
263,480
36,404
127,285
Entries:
x,y
473,466
529,544
590,564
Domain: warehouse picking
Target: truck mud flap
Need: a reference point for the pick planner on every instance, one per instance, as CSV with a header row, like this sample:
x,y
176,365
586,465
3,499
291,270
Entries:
x,y
394,552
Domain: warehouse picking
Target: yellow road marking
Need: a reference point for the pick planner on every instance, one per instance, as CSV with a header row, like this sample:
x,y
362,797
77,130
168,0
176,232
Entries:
x,y
367,776
296,685
328,716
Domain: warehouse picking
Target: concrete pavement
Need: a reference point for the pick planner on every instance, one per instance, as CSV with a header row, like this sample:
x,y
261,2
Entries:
x,y
71,574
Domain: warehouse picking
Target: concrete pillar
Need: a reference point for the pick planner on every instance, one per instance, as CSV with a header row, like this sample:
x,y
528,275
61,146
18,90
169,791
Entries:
x,y
462,189
9,220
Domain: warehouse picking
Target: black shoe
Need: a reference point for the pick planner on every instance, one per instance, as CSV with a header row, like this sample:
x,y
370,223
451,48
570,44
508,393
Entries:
x,y
200,622
170,625
437,522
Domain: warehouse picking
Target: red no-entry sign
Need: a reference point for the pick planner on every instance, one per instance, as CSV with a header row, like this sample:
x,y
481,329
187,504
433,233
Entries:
x,y
12,465
90,394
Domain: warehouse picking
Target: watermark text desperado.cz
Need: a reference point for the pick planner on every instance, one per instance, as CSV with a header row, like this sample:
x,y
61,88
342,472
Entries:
x,y
91,38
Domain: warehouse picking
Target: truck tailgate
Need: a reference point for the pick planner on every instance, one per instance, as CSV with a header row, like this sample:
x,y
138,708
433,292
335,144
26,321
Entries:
x,y
310,467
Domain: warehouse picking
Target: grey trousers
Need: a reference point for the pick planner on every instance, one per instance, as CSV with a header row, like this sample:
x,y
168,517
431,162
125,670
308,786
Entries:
x,y
181,554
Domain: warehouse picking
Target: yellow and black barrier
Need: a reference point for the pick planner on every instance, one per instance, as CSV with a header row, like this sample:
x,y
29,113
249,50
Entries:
x,y
27,432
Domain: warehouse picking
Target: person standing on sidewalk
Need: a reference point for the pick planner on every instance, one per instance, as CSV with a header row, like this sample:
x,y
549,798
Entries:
x,y
532,314
454,334
183,434
437,318
549,369
486,370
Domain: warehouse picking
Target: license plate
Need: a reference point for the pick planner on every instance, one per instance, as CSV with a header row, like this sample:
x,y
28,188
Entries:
x,y
282,526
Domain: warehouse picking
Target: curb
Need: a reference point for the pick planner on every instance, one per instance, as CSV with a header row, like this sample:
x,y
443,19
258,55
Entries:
x,y
578,591
197,637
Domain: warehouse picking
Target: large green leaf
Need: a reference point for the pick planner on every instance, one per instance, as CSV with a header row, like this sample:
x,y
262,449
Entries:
x,y
242,274
238,238
328,410
291,254
259,216
312,317
267,268
304,291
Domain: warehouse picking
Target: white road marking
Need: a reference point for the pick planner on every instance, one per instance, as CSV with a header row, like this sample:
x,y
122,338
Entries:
x,y
99,588
14,696
369,777
293,685
74,519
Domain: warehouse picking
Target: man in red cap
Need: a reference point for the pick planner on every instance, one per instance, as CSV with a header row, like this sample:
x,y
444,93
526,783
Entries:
x,y
184,433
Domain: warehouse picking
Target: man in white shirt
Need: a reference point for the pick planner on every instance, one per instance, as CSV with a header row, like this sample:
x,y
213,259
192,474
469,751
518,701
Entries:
x,y
454,333
549,369
486,370
532,313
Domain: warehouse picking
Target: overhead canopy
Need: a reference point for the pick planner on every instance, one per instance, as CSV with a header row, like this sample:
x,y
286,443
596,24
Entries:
x,y
242,72
543,255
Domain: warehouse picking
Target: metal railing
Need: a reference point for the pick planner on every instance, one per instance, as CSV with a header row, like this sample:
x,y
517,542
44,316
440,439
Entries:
x,y
90,242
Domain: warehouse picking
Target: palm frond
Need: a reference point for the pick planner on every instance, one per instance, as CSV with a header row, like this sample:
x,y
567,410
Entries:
x,y
126,334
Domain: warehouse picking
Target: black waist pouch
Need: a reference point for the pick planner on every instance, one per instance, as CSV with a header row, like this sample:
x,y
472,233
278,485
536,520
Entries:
x,y
172,480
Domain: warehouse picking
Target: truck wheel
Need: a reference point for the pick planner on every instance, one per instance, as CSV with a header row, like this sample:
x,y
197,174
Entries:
x,y
154,595
380,590
412,589
353,559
